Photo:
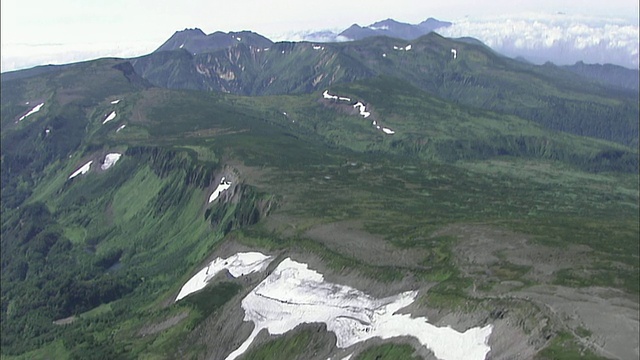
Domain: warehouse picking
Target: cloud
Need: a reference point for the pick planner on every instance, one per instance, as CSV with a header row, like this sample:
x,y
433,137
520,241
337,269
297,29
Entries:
x,y
559,38
22,56
324,35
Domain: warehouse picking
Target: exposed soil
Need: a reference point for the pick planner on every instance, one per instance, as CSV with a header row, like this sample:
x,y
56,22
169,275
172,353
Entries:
x,y
163,325
481,248
347,238
524,317
610,315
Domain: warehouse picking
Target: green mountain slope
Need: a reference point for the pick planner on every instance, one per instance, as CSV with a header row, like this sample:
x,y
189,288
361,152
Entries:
x,y
91,265
477,77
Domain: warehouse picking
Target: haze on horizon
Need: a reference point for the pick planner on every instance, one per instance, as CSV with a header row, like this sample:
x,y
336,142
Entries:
x,y
41,32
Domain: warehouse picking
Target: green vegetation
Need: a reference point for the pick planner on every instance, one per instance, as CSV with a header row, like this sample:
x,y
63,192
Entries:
x,y
546,95
208,300
294,345
387,352
564,346
108,251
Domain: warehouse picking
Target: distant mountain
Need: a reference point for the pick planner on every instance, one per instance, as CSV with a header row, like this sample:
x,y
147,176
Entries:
x,y
609,74
388,27
196,41
464,72
357,32
393,29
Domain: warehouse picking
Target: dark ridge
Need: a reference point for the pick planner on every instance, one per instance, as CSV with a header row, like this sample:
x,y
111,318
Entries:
x,y
130,73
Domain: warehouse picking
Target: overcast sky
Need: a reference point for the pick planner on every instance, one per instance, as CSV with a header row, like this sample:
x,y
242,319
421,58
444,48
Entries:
x,y
39,31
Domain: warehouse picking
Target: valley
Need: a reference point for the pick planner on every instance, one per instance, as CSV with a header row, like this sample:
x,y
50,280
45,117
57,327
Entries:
x,y
423,208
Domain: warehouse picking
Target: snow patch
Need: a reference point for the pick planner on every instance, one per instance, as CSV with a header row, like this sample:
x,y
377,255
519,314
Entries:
x,y
318,47
181,46
115,102
384,55
47,131
35,109
109,117
239,264
326,95
110,160
239,38
406,48
82,170
293,294
121,127
455,53
224,185
363,110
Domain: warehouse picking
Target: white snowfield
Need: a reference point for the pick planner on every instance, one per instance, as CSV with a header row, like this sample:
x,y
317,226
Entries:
x,y
33,110
224,185
109,117
363,110
455,53
239,264
110,160
406,48
318,47
114,102
326,95
82,170
121,127
294,294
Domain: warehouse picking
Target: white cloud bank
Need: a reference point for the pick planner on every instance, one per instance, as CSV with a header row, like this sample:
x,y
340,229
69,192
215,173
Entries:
x,y
22,56
559,38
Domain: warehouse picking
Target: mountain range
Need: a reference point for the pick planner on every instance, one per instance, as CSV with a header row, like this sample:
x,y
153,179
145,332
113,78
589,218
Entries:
x,y
227,196
392,28
464,71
